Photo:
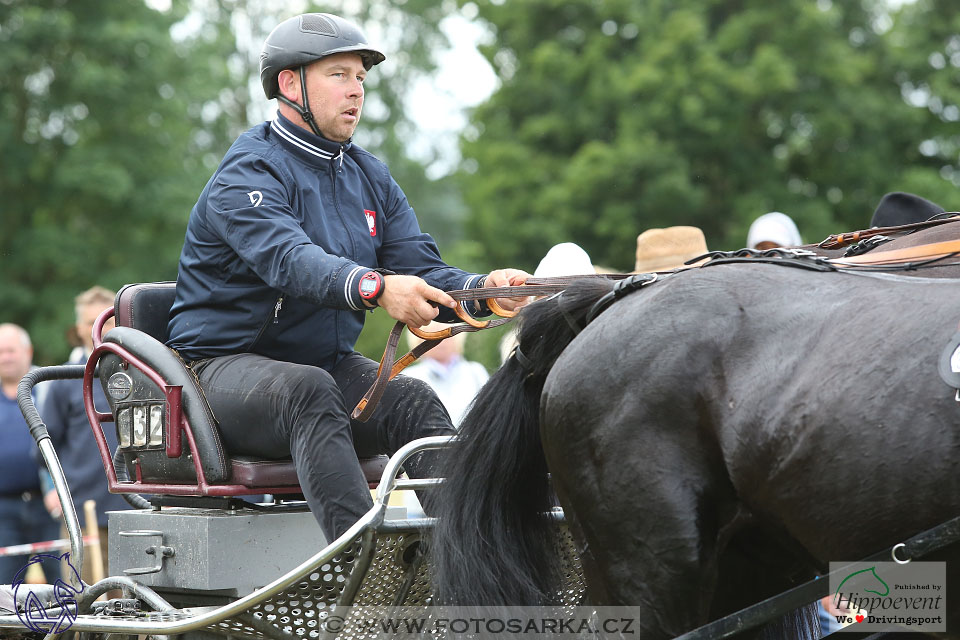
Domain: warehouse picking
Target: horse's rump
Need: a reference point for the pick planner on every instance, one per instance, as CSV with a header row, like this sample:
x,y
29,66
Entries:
x,y
742,398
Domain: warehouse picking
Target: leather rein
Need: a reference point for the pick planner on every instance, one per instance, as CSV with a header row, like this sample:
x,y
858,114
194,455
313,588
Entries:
x,y
386,372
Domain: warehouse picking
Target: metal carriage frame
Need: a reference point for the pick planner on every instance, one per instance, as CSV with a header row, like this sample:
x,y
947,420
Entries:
x,y
379,564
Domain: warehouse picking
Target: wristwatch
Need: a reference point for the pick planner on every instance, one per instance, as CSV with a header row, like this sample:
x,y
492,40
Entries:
x,y
371,286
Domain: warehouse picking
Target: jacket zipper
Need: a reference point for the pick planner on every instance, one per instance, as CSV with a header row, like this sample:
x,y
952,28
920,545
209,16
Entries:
x,y
336,200
276,320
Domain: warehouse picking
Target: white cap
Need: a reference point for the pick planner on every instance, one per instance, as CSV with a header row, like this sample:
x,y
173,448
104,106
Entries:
x,y
773,227
564,259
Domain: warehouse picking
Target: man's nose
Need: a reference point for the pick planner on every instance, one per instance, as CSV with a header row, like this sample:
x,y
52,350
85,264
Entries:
x,y
355,89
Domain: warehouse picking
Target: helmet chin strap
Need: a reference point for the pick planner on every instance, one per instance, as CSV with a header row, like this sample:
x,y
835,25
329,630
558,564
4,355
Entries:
x,y
303,110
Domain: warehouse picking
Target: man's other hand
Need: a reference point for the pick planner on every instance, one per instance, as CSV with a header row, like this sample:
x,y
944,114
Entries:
x,y
508,278
408,300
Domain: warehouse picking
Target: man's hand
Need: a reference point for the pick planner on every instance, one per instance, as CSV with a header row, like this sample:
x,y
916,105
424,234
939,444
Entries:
x,y
508,278
52,502
408,299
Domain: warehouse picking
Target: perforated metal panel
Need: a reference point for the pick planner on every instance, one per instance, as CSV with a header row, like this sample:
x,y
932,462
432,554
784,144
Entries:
x,y
299,610
370,577
574,588
377,570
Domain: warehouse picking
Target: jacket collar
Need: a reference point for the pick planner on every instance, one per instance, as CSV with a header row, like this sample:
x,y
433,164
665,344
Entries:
x,y
304,144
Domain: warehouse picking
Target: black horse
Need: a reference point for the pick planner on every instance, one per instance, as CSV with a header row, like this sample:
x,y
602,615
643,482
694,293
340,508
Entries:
x,y
715,438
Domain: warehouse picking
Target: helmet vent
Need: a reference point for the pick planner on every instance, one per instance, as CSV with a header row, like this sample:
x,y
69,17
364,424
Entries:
x,y
315,23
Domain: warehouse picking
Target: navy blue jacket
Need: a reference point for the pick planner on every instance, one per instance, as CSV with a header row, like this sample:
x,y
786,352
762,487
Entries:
x,y
19,470
278,241
66,419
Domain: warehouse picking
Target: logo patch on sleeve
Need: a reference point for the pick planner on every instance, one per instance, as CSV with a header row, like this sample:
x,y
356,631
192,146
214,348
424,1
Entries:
x,y
371,221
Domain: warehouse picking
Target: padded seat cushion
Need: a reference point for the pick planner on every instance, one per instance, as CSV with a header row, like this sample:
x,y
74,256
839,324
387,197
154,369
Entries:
x,y
257,472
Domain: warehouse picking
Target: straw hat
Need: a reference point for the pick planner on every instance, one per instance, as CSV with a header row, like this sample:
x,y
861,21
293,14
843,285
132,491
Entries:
x,y
665,249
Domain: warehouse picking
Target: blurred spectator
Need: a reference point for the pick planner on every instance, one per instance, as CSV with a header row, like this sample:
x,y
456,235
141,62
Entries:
x,y
22,516
455,379
666,249
564,259
772,230
899,208
70,433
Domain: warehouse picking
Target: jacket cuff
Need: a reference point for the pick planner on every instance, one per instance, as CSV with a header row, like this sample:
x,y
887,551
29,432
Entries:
x,y
351,287
476,308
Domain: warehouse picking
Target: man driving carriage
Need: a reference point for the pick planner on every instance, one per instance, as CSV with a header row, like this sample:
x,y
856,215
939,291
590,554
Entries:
x,y
296,235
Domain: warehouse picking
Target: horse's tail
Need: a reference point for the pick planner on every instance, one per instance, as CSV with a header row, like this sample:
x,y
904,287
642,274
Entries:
x,y
494,543
799,624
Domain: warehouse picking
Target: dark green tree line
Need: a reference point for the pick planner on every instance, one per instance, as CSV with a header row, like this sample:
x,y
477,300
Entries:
x,y
617,116
109,127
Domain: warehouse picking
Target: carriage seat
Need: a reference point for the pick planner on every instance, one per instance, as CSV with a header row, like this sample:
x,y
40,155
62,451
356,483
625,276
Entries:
x,y
153,451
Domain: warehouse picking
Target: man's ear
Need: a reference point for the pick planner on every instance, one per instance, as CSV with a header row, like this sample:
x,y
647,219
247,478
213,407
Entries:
x,y
289,82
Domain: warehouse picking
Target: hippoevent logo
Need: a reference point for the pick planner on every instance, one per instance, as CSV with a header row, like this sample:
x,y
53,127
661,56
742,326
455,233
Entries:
x,y
889,596
52,609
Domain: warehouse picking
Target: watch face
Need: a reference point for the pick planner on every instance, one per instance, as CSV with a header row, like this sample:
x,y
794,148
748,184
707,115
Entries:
x,y
370,285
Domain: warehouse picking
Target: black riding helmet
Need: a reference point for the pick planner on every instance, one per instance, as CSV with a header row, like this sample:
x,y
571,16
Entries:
x,y
301,40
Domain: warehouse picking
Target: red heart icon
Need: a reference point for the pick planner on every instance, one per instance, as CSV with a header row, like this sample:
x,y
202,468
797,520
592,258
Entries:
x,y
860,618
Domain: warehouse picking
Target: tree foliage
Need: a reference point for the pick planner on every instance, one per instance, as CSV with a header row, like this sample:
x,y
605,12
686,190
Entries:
x,y
109,128
617,116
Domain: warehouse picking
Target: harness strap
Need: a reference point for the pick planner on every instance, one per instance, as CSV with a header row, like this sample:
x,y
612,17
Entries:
x,y
838,240
371,398
932,251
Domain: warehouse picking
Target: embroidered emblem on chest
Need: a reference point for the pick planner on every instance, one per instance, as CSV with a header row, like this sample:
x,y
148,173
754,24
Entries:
x,y
371,221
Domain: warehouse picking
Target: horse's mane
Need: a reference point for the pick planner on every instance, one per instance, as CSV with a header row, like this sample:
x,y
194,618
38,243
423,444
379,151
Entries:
x,y
498,544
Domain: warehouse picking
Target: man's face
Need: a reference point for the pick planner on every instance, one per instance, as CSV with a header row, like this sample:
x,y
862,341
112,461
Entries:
x,y
88,314
15,356
335,92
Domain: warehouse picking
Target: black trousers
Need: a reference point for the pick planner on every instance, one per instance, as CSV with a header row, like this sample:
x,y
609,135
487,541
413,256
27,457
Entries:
x,y
273,409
